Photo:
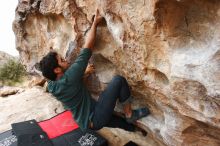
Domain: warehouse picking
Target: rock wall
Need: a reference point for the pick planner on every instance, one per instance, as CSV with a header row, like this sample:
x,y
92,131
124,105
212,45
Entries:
x,y
167,49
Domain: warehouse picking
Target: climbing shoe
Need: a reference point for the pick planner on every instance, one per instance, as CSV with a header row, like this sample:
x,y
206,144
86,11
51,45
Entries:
x,y
138,114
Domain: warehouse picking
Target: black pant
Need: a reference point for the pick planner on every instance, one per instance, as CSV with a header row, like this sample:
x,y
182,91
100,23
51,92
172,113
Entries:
x,y
103,112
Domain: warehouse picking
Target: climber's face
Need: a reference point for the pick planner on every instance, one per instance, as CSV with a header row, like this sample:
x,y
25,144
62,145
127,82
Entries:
x,y
63,64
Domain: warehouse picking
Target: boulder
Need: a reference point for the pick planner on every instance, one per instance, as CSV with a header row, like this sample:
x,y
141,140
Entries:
x,y
8,90
168,50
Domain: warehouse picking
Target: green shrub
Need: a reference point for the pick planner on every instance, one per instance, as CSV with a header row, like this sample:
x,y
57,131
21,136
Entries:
x,y
12,72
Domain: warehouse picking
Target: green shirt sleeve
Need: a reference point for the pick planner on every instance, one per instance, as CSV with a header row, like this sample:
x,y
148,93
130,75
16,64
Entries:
x,y
76,70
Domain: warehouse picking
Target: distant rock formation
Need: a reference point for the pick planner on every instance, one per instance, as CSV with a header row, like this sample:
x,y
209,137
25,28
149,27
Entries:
x,y
167,49
4,57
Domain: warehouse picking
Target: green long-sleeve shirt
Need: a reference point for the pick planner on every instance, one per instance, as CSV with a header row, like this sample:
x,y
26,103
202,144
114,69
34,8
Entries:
x,y
71,91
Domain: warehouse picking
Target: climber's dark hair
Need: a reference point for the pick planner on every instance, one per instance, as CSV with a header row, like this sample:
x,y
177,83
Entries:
x,y
47,65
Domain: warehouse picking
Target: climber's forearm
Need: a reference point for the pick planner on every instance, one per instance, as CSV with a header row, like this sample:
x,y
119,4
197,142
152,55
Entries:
x,y
90,38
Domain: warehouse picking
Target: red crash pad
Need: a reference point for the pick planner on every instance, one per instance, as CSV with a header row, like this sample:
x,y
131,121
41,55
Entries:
x,y
59,125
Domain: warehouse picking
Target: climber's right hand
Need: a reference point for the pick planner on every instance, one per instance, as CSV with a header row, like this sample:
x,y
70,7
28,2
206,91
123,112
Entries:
x,y
98,18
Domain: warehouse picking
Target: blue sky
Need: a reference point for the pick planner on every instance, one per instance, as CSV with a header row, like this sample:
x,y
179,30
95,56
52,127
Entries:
x,y
7,37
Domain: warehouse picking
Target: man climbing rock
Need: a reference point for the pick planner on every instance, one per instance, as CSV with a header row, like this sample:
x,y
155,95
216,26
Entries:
x,y
65,82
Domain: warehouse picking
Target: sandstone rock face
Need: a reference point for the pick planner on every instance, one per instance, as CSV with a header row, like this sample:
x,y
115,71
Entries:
x,y
167,49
